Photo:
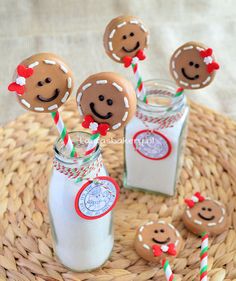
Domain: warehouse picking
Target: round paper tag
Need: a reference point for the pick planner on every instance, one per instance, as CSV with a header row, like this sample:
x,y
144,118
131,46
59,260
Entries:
x,y
97,198
152,145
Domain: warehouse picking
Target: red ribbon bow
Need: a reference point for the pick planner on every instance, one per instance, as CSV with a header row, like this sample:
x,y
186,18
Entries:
x,y
195,199
89,123
128,60
19,85
211,66
159,250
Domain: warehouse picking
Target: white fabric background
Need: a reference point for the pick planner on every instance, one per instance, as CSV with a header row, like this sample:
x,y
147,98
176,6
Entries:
x,y
74,29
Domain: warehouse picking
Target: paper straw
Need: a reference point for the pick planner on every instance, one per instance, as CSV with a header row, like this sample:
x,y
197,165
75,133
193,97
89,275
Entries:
x,y
167,269
93,141
63,133
140,90
179,92
204,257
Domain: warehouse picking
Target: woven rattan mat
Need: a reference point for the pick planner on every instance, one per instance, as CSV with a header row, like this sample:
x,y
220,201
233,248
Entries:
x,y
26,161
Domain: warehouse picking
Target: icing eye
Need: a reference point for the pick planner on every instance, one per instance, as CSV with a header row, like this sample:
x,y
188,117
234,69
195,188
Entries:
x,y
40,83
48,80
101,98
109,102
191,63
203,208
131,34
162,230
197,65
156,231
196,76
209,209
124,37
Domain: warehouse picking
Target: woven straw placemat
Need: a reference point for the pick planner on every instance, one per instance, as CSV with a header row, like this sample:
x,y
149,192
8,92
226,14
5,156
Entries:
x,y
26,160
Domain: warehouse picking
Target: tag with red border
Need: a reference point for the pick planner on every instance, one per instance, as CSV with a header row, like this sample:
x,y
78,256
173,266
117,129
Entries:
x,y
152,145
97,198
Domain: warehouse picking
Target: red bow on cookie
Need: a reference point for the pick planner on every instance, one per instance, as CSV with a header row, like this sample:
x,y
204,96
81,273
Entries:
x,y
197,197
208,59
129,60
19,85
95,128
168,249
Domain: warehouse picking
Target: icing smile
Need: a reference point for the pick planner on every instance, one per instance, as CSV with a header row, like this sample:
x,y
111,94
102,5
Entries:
x,y
161,242
57,92
107,116
204,218
131,50
189,77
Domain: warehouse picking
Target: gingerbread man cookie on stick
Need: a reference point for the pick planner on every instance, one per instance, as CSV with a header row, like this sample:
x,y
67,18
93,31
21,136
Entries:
x,y
106,101
125,40
157,241
204,216
43,83
193,66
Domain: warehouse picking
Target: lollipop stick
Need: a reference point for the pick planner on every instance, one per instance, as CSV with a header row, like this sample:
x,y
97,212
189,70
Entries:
x,y
179,92
140,90
167,269
63,133
204,256
93,141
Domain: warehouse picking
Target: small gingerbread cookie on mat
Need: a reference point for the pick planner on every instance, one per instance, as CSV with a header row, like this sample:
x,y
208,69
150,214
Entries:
x,y
43,82
106,98
125,36
193,65
157,240
204,215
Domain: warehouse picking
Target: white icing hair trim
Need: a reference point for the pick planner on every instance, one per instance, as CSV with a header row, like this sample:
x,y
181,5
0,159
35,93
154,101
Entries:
x,y
140,238
49,61
146,246
63,68
79,97
53,107
195,85
125,116
25,103
86,86
116,57
116,126
143,28
119,88
133,22
65,97
207,80
197,222
121,24
32,65
101,82
69,82
112,33
183,83
110,46
188,48
178,53
39,109
126,102
141,228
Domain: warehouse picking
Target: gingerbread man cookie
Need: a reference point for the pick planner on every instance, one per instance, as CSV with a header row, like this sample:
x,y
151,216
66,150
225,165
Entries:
x,y
43,82
204,215
193,66
107,99
125,36
157,240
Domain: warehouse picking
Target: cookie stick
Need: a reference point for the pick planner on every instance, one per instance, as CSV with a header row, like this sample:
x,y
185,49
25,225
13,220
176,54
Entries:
x,y
204,216
43,83
193,66
107,102
125,39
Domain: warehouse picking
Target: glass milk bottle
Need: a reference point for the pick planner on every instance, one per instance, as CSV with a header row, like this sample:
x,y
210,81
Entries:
x,y
155,139
81,241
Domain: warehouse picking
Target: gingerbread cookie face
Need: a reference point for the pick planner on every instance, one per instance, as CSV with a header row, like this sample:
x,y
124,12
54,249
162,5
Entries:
x,y
193,66
43,83
108,98
206,216
125,36
157,240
